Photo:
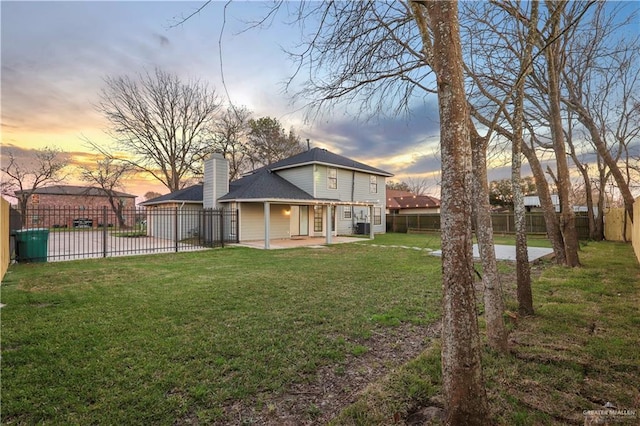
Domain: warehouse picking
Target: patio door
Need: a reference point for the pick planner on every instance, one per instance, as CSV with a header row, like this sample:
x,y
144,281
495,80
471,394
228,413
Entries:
x,y
299,221
303,222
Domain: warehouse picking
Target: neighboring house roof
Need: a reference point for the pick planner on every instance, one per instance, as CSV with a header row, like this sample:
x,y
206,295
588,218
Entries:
x,y
87,191
322,156
406,200
190,195
265,185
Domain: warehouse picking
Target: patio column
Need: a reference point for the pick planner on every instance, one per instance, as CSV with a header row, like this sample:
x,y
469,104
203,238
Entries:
x,y
267,221
328,227
371,235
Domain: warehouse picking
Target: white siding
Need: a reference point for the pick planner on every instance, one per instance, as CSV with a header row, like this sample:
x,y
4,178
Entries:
x,y
302,177
252,221
161,221
359,183
216,180
208,200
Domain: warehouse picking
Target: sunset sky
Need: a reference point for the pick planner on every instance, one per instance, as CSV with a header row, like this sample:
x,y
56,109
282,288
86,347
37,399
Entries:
x,y
55,56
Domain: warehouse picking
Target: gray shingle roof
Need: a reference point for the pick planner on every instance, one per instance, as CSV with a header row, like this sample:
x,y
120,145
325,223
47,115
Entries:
x,y
190,194
88,191
264,185
322,156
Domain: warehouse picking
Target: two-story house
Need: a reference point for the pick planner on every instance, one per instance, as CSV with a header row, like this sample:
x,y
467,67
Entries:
x,y
312,194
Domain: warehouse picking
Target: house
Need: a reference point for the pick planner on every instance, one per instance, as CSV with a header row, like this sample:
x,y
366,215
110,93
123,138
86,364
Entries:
x,y
405,202
162,222
67,206
312,194
532,203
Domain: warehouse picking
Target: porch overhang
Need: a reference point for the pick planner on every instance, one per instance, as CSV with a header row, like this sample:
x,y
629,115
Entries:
x,y
267,202
299,201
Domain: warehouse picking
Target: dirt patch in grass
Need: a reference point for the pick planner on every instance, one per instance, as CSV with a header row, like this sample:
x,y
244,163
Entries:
x,y
336,386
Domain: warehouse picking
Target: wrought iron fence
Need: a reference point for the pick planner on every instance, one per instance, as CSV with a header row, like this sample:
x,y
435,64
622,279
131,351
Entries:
x,y
65,233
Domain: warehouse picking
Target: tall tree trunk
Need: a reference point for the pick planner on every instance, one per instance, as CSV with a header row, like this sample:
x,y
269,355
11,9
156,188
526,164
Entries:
x,y
523,269
493,302
548,210
567,216
461,350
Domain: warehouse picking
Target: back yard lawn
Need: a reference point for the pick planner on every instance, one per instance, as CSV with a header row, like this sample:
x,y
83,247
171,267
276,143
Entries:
x,y
242,336
213,336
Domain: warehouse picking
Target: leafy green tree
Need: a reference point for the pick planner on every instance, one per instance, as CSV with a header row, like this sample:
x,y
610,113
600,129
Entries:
x,y
501,191
269,142
398,186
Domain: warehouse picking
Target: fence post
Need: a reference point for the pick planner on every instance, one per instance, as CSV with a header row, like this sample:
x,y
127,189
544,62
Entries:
x,y
175,228
237,222
221,227
104,231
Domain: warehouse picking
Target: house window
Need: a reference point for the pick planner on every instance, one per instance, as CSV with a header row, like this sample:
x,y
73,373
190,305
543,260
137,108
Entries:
x,y
373,184
317,218
332,178
346,213
35,219
377,215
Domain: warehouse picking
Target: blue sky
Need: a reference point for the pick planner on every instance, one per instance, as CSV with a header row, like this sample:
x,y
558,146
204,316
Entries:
x,y
55,56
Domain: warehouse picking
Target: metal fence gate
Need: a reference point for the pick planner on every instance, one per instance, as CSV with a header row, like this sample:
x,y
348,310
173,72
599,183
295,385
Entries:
x,y
77,233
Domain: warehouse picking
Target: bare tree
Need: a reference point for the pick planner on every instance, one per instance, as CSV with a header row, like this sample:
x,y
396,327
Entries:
x,y
601,76
21,178
493,298
378,56
418,186
230,137
108,175
523,269
553,54
461,363
495,77
499,85
163,123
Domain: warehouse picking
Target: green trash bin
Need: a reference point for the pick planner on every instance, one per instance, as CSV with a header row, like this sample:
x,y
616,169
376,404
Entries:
x,y
31,245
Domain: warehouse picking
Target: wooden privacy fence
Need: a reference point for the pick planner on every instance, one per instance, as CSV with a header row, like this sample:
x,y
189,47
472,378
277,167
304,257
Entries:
x,y
5,255
616,226
503,223
635,233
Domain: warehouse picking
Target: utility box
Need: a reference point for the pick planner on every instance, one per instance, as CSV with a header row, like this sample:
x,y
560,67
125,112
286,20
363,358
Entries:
x,y
363,228
31,244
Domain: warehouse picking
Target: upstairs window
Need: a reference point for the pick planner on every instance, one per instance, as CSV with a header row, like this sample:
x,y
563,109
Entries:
x,y
332,178
373,184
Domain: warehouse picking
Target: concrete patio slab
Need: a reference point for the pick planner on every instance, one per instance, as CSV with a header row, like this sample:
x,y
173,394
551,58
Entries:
x,y
504,252
311,242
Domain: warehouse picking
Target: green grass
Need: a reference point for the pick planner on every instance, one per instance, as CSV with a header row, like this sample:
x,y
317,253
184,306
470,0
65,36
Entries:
x,y
176,337
578,352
